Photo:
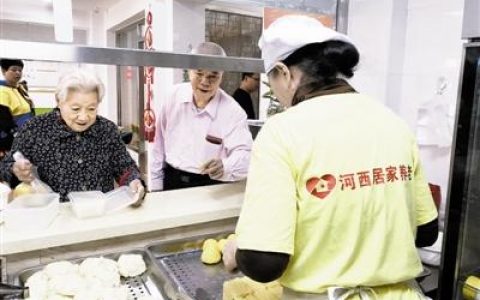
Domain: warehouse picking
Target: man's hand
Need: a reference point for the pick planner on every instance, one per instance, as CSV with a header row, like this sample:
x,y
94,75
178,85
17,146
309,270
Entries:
x,y
23,170
137,187
214,168
229,252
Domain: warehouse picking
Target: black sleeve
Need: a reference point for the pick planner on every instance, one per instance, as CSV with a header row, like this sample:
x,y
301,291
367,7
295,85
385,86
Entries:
x,y
7,119
262,266
427,234
245,101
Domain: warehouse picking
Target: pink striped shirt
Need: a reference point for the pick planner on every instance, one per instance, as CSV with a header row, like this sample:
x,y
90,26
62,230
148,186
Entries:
x,y
181,134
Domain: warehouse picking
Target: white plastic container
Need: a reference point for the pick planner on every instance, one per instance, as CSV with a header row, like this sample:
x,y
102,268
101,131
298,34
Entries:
x,y
87,204
31,212
95,203
119,199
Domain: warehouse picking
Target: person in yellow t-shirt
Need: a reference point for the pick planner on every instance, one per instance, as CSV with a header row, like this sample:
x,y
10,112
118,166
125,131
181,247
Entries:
x,y
16,106
336,199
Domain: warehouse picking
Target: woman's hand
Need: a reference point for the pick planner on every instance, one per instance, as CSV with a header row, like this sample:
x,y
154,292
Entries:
x,y
229,252
23,170
137,187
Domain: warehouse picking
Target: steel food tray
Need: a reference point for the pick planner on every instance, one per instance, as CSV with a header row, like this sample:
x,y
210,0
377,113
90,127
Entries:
x,y
146,284
184,275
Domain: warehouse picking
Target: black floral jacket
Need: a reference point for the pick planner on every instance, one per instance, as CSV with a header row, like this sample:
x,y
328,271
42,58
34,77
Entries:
x,y
69,161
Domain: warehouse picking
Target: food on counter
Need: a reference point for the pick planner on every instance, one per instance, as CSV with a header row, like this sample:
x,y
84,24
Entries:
x,y
23,189
221,244
96,278
88,294
38,285
103,269
60,268
210,252
210,243
211,256
213,249
68,284
130,265
246,288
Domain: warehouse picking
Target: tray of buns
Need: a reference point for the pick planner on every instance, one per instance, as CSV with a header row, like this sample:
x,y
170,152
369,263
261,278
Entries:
x,y
129,275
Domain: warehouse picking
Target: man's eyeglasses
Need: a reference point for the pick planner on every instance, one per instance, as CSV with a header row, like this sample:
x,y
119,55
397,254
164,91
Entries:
x,y
255,78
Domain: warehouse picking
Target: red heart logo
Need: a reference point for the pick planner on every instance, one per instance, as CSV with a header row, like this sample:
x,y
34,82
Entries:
x,y
321,187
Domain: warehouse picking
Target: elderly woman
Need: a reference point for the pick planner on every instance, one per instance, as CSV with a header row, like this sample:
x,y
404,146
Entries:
x,y
73,148
336,199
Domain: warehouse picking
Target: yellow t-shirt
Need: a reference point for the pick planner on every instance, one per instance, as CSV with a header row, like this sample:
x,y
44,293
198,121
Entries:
x,y
336,183
11,98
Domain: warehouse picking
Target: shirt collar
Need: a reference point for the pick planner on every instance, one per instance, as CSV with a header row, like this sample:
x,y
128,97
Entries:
x,y
186,96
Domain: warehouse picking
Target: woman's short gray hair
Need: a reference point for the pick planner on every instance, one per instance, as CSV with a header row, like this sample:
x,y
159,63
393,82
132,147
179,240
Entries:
x,y
79,81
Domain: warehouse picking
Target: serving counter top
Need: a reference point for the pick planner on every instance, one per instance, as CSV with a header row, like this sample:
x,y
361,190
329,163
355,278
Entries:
x,y
161,210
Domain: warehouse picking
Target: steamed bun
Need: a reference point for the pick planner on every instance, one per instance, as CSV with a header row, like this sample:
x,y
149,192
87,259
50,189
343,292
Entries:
x,y
103,269
60,268
68,284
130,265
38,285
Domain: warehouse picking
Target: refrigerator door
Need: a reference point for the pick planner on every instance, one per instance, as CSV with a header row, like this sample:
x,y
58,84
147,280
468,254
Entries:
x,y
461,247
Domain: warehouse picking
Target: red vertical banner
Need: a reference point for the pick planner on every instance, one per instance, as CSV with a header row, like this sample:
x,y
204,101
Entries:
x,y
149,118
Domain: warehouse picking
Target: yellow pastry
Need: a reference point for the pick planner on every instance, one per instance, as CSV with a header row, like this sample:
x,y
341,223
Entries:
x,y
211,256
221,244
23,189
244,288
210,253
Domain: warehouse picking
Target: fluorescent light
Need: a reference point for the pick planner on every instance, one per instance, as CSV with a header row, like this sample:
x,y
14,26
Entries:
x,y
63,20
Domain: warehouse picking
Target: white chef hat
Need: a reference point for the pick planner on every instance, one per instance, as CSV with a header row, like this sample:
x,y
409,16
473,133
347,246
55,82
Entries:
x,y
290,33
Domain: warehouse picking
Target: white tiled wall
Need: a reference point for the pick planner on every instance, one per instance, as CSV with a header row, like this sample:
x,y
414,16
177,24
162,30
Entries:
x,y
369,26
408,48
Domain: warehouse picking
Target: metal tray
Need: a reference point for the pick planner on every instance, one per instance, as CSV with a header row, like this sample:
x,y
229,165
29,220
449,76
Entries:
x,y
146,284
184,276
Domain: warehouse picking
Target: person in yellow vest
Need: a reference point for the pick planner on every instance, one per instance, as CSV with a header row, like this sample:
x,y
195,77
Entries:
x,y
16,106
336,199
